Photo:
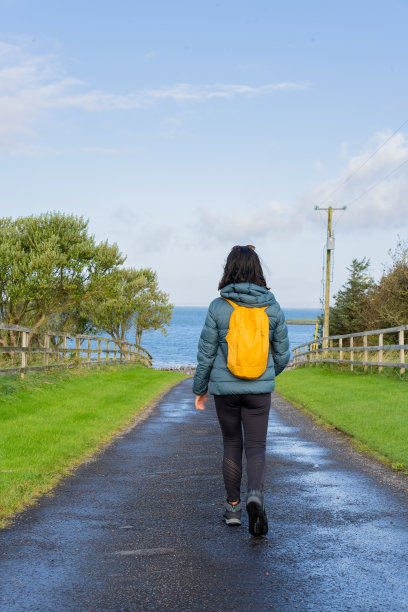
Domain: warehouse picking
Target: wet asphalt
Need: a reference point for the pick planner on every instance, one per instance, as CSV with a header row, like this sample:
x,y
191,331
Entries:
x,y
139,528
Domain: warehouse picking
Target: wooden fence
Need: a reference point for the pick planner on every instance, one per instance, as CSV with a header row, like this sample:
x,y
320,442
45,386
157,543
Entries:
x,y
380,348
24,350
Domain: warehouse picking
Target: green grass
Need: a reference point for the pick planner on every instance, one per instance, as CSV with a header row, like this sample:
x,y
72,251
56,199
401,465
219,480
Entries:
x,y
52,422
372,409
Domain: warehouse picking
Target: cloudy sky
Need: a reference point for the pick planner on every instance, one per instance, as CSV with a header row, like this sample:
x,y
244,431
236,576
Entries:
x,y
181,128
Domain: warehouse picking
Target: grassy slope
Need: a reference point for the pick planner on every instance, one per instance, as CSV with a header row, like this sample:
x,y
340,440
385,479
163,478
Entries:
x,y
50,423
371,408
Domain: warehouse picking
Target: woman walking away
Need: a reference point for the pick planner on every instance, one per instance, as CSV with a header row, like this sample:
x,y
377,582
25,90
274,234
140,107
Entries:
x,y
243,346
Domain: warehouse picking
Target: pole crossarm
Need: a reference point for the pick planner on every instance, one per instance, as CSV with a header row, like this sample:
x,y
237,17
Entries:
x,y
332,207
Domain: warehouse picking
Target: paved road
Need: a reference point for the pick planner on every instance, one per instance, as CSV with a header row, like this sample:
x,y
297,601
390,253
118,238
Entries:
x,y
139,528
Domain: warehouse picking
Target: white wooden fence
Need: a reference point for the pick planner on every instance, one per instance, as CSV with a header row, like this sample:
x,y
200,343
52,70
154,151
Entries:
x,y
23,350
380,348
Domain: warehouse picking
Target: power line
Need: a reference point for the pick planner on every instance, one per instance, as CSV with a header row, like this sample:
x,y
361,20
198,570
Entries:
x,y
378,182
346,180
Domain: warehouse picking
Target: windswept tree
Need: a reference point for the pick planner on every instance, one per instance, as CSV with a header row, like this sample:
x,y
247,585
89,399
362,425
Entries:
x,y
112,306
48,264
127,299
154,310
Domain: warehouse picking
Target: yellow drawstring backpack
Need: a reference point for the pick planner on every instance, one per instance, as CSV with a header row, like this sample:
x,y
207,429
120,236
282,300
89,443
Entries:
x,y
248,341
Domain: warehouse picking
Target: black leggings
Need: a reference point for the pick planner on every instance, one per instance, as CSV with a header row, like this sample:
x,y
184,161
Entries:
x,y
252,412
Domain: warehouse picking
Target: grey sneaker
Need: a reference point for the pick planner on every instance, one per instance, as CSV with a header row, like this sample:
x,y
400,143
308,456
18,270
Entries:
x,y
232,514
258,521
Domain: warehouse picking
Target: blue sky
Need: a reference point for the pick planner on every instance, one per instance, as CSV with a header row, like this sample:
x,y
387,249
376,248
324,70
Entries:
x,y
182,128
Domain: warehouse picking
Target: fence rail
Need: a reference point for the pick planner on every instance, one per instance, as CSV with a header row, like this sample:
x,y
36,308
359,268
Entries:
x,y
24,350
379,348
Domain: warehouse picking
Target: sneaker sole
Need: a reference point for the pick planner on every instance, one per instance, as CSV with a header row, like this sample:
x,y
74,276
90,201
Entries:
x,y
257,524
233,521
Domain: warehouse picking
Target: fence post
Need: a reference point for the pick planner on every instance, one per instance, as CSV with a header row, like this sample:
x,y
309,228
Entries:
x,y
351,354
77,348
46,347
402,351
88,350
331,347
365,352
24,344
380,352
340,347
99,350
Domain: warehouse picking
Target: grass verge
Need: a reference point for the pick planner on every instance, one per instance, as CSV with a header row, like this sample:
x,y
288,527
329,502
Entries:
x,y
52,422
372,409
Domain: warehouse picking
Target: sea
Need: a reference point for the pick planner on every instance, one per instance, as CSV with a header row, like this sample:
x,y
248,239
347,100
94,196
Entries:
x,y
178,347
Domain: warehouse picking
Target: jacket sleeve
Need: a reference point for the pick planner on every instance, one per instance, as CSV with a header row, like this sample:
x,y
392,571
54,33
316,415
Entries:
x,y
207,351
280,345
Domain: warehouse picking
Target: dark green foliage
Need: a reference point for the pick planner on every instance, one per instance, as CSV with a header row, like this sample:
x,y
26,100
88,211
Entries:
x,y
389,302
351,301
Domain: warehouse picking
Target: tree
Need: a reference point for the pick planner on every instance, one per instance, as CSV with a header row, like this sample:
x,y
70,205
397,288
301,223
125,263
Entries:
x,y
125,299
351,301
113,305
154,310
48,263
388,306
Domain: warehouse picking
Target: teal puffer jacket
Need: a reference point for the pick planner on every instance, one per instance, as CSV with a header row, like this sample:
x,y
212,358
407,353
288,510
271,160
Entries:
x,y
212,373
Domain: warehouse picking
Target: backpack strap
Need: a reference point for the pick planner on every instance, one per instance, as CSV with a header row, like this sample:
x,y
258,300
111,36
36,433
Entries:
x,y
233,304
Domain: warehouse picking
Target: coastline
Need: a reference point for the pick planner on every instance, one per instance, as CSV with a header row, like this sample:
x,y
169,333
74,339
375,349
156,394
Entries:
x,y
301,322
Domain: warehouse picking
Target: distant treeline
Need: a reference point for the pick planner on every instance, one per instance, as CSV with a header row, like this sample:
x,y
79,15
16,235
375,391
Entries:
x,y
363,304
55,276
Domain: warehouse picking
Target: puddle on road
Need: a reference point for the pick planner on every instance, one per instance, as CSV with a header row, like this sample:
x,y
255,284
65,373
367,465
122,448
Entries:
x,y
144,552
278,428
283,441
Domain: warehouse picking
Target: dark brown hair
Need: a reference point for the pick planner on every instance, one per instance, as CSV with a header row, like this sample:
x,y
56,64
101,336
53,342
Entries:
x,y
243,266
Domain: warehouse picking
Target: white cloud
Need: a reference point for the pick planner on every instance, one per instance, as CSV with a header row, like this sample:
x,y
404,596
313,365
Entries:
x,y
275,220
31,85
375,190
385,205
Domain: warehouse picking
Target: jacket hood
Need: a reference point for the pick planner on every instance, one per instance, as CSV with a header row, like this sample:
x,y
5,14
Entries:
x,y
248,294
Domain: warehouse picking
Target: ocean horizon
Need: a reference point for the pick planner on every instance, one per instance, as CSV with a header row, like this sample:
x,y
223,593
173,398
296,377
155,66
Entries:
x,y
179,347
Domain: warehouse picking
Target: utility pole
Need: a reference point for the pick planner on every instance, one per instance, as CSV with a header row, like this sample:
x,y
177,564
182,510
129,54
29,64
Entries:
x,y
329,249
